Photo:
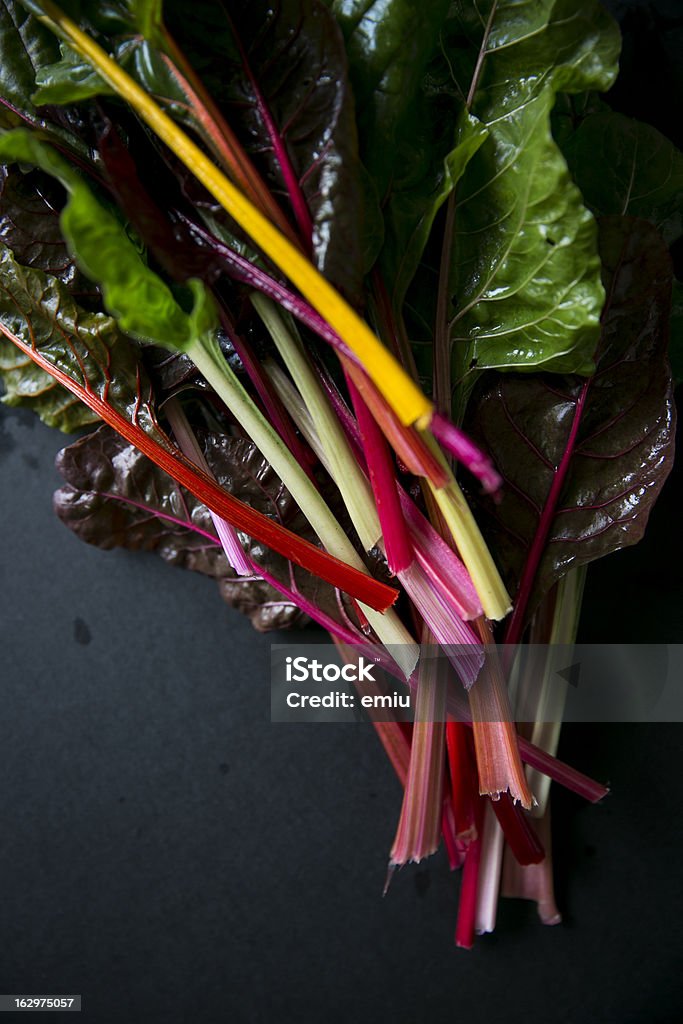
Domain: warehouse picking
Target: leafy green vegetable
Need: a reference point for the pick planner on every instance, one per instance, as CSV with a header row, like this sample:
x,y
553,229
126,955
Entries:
x,y
584,460
142,303
625,166
525,277
25,384
69,80
453,108
389,44
29,226
413,205
25,47
414,138
89,347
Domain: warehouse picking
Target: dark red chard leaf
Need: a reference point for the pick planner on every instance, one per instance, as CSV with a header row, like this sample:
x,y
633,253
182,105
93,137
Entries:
x,y
115,497
284,88
583,460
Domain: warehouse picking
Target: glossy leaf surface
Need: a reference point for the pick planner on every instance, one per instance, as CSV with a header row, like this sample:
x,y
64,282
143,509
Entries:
x,y
627,167
584,460
525,273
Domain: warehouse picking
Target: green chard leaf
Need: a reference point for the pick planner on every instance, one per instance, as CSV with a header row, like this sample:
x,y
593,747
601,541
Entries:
x,y
143,304
26,46
389,44
88,347
583,460
29,227
25,384
415,138
69,80
525,272
627,167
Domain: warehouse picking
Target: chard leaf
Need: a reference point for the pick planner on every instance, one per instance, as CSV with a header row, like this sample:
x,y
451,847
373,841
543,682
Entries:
x,y
69,80
29,226
143,304
413,204
389,44
414,138
115,497
525,273
583,460
625,166
27,385
88,347
25,47
283,85
168,239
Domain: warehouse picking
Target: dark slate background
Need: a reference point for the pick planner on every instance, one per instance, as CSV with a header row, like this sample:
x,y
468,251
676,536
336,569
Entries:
x,y
174,857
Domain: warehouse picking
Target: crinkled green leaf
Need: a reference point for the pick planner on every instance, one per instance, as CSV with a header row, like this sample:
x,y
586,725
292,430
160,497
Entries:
x,y
87,347
413,136
627,167
525,273
25,384
29,226
613,468
413,205
142,303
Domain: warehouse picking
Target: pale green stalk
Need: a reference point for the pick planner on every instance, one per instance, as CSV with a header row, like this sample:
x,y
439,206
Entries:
x,y
209,360
343,467
552,689
296,407
471,546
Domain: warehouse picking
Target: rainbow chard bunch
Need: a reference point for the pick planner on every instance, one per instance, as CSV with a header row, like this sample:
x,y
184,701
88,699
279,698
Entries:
x,y
367,307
